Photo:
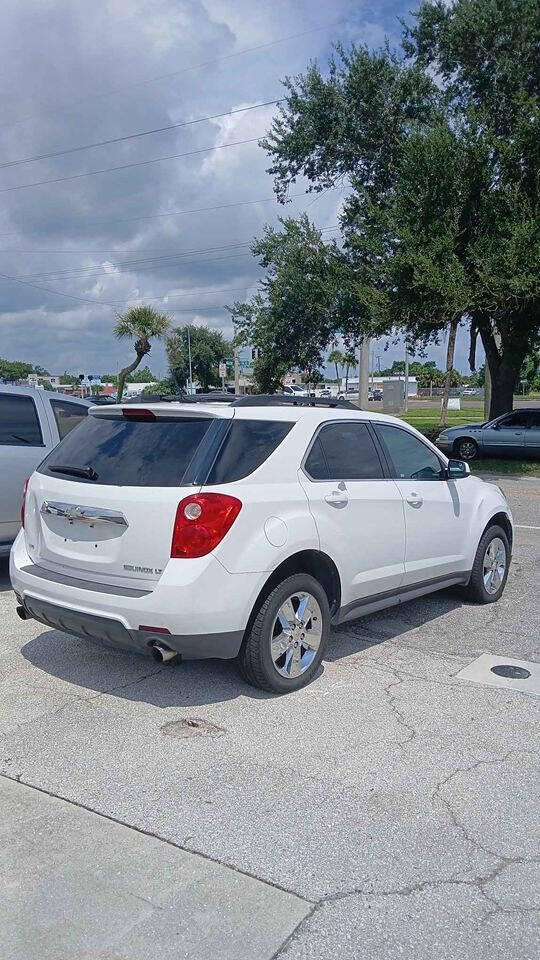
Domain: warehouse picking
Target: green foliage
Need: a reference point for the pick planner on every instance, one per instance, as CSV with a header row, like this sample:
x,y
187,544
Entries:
x,y
308,293
143,324
142,376
69,378
12,370
160,386
441,223
208,348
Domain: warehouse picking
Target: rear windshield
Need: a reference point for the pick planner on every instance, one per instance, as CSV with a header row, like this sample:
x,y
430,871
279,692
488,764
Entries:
x,y
131,453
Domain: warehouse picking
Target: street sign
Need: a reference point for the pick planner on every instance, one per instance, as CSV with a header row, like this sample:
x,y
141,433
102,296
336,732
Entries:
x,y
223,369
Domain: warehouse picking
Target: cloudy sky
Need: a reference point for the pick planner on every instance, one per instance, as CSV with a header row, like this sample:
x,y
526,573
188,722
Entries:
x,y
174,233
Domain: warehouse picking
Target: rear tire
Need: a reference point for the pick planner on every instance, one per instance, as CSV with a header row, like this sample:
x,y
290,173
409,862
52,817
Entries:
x,y
466,449
490,567
286,641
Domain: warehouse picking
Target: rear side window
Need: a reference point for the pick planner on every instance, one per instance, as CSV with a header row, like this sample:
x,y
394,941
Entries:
x,y
344,451
67,415
247,445
410,458
131,453
19,423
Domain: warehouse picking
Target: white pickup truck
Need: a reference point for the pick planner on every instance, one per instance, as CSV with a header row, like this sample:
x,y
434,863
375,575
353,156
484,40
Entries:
x,y
32,422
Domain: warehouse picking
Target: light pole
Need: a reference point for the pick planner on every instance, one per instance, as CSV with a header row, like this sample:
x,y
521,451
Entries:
x,y
406,376
190,390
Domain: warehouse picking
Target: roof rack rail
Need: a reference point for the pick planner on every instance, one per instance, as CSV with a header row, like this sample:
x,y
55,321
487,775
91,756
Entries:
x,y
213,397
281,400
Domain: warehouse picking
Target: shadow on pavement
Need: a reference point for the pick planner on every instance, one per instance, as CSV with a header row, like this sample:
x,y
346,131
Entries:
x,y
196,682
5,583
389,624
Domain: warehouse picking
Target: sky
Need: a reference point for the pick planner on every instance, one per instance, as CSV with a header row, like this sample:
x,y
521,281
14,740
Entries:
x,y
174,233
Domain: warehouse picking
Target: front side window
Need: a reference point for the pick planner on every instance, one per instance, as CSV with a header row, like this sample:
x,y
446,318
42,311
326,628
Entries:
x,y
519,419
67,415
409,457
19,423
344,451
534,423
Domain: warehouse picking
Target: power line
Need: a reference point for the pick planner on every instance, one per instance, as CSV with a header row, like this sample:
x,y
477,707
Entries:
x,y
154,216
114,303
139,263
126,166
174,73
135,136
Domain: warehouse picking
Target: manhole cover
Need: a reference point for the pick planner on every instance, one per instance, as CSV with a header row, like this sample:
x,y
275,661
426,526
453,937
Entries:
x,y
191,727
511,672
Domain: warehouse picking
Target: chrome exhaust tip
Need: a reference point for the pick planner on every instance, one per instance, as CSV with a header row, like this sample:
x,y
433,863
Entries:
x,y
162,653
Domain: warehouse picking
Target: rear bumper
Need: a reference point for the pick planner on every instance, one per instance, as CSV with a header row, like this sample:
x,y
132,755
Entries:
x,y
111,632
203,607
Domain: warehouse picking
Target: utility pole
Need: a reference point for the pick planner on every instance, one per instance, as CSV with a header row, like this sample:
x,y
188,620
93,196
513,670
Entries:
x,y
406,376
190,391
363,373
236,371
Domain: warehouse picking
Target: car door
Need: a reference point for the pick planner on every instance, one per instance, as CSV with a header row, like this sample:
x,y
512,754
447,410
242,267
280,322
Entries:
x,y
506,436
532,436
24,437
357,510
438,512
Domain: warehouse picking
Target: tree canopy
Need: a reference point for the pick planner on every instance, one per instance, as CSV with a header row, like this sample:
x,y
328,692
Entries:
x,y
141,324
439,143
208,348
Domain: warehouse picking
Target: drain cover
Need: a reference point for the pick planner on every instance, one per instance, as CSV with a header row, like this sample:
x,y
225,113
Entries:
x,y
510,671
191,727
507,673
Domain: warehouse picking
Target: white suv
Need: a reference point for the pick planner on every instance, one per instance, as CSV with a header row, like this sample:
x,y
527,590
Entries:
x,y
244,529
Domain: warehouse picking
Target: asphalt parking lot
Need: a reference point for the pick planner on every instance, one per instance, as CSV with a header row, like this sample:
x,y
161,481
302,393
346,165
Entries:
x,y
388,810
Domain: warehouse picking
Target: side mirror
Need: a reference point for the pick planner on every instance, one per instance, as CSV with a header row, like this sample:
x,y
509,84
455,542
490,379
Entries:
x,y
457,469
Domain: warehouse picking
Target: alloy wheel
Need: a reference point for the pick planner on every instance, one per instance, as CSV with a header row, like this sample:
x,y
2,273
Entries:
x,y
296,635
494,566
467,449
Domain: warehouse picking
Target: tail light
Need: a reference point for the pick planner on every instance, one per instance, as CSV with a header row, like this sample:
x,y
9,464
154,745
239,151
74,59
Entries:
x,y
23,503
202,520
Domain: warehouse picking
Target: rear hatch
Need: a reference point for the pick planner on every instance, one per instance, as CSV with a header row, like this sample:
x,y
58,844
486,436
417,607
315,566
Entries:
x,y
102,505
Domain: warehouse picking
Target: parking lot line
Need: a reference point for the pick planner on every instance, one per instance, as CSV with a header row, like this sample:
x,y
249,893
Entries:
x,y
525,526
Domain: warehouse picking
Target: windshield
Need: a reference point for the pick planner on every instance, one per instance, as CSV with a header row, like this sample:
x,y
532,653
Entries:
x,y
148,453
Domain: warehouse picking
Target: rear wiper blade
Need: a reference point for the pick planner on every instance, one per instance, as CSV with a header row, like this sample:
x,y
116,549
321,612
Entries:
x,y
88,473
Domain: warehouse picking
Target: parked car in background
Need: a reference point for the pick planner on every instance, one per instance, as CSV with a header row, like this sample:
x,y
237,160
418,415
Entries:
x,y
377,394
348,394
244,529
31,424
515,434
294,390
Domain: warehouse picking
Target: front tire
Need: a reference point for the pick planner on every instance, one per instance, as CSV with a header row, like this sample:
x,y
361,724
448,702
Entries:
x,y
466,449
285,643
490,568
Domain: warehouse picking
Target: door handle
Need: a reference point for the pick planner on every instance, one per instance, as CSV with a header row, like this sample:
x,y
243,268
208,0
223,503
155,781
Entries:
x,y
415,500
338,498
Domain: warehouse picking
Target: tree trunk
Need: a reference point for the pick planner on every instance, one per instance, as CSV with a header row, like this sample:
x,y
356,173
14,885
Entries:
x,y
346,377
506,349
449,367
124,373
502,391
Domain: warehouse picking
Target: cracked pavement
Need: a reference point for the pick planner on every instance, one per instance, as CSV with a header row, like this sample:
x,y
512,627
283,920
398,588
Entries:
x,y
389,809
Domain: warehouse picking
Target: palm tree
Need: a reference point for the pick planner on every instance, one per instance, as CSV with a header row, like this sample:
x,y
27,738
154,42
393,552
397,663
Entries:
x,y
336,357
350,361
143,324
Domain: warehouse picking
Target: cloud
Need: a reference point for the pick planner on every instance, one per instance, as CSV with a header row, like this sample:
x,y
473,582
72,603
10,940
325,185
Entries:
x,y
71,78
